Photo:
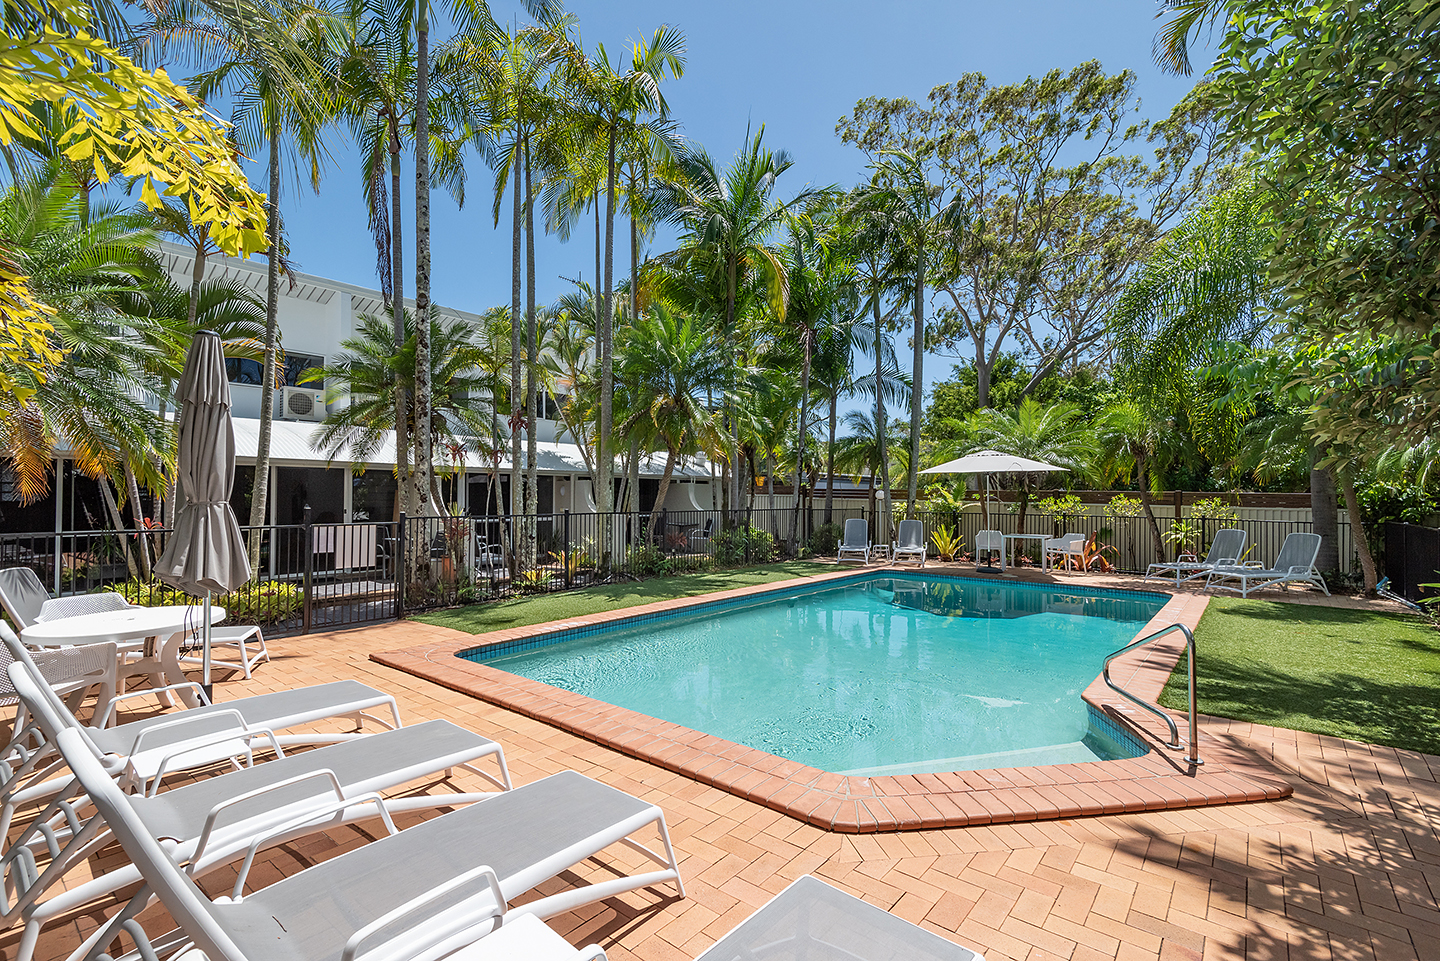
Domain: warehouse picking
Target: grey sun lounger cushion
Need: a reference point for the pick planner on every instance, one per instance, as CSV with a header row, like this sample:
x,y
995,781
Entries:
x,y
310,915
812,921
375,763
276,711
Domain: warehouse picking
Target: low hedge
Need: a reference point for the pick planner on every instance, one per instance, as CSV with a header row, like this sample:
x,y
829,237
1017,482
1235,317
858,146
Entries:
x,y
252,604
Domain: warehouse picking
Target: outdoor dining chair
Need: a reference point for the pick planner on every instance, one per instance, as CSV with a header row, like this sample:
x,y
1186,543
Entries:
x,y
855,542
421,893
988,543
1295,564
1068,549
27,602
1225,551
213,821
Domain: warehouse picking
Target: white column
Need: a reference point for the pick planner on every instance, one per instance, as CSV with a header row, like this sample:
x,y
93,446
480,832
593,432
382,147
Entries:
x,y
349,492
59,488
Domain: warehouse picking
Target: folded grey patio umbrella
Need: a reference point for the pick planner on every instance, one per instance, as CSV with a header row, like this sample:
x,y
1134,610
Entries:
x,y
206,552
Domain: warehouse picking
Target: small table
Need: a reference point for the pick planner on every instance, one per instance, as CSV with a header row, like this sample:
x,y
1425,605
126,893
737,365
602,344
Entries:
x,y
167,624
1042,538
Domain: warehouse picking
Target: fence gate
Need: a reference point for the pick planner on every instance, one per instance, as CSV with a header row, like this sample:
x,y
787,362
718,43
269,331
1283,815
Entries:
x,y
1412,558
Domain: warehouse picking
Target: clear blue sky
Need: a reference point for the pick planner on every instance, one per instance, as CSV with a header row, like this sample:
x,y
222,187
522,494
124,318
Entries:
x,y
795,67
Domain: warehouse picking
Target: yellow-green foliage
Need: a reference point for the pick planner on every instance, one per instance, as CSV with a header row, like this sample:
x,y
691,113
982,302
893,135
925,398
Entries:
x,y
947,543
251,604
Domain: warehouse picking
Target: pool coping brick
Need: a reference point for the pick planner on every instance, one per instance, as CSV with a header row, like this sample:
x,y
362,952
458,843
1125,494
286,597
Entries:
x,y
1159,780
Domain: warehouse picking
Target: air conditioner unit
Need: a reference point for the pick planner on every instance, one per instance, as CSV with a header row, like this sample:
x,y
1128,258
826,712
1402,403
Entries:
x,y
302,403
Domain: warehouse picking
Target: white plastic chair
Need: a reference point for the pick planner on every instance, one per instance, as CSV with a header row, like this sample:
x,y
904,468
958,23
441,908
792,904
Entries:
x,y
986,543
1068,549
855,542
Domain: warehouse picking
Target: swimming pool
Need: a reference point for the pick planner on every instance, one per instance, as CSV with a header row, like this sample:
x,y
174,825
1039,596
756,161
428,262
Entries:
x,y
897,673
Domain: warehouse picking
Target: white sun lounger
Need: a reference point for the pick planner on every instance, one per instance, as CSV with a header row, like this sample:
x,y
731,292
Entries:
x,y
144,749
1225,551
415,895
1294,565
809,919
909,542
213,821
856,542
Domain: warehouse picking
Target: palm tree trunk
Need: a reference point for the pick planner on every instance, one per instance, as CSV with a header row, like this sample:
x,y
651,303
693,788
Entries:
x,y
404,488
532,366
732,349
634,266
883,528
517,224
1142,473
605,459
830,461
803,432
424,456
118,524
260,491
142,540
664,488
917,392
1357,534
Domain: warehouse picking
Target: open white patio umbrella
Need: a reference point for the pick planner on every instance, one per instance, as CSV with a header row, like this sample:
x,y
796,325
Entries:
x,y
987,462
206,552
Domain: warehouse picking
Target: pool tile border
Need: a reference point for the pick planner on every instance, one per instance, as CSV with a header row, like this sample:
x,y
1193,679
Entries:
x,y
1159,780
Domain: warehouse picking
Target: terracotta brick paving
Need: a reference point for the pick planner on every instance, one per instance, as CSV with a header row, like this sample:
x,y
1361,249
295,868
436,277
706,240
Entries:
x,y
1347,867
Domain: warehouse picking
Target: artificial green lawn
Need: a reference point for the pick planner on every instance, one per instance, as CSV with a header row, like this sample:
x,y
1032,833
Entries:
x,y
1354,674
498,615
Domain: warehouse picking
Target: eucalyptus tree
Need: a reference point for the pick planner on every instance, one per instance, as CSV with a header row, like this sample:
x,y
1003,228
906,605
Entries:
x,y
618,99
276,90
729,217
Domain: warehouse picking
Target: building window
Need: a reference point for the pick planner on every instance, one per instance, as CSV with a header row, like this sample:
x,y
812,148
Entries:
x,y
243,371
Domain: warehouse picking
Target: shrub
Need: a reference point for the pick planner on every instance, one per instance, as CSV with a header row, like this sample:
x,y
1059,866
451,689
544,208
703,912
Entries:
x,y
743,546
825,539
1122,506
947,543
1215,509
1064,505
646,561
263,603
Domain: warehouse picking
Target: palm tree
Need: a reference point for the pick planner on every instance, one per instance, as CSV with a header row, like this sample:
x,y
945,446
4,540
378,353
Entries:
x,y
1138,442
275,90
729,217
1172,43
864,451
89,265
902,196
675,363
617,95
1058,434
369,370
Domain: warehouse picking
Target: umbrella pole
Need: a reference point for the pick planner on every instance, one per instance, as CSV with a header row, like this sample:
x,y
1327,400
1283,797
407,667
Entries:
x,y
205,684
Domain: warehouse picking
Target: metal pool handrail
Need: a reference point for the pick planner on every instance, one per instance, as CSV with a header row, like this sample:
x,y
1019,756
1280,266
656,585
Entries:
x,y
1194,755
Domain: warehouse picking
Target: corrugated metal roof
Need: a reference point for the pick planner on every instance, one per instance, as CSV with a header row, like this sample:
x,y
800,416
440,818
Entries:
x,y
292,444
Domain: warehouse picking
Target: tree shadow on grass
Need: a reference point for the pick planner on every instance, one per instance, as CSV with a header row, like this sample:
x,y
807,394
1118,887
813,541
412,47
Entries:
x,y
1343,705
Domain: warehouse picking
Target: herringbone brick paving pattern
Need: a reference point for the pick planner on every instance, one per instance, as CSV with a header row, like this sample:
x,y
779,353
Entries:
x,y
1349,867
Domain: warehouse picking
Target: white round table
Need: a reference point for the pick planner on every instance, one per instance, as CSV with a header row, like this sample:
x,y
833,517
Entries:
x,y
167,624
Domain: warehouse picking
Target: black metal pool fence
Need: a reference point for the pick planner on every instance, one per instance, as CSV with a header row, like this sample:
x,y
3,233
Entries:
x,y
324,576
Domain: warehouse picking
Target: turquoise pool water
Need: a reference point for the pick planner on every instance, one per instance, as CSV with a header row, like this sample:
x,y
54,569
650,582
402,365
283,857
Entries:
x,y
893,674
